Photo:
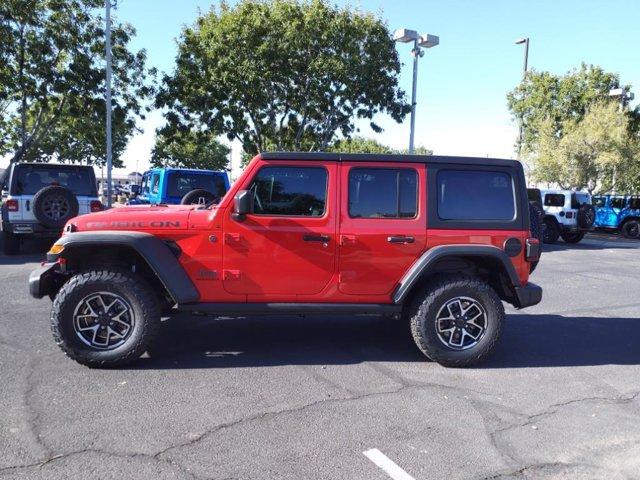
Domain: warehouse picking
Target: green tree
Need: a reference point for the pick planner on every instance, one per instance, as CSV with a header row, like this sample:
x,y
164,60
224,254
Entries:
x,y
359,144
598,151
52,81
543,97
189,149
283,74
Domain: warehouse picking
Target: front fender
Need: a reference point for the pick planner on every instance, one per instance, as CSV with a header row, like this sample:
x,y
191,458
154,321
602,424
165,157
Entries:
x,y
155,252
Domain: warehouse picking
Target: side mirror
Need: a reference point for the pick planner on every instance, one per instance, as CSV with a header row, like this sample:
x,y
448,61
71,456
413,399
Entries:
x,y
242,204
135,189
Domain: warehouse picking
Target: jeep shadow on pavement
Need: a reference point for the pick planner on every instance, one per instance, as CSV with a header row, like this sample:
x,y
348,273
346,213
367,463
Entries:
x,y
438,243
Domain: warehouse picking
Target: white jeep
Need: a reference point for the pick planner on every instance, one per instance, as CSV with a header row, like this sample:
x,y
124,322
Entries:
x,y
567,214
39,198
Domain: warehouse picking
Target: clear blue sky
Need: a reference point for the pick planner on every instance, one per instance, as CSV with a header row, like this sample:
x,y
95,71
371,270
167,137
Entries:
x,y
462,82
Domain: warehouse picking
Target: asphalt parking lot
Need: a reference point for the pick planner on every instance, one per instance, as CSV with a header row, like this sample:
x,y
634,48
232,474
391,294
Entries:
x,y
303,398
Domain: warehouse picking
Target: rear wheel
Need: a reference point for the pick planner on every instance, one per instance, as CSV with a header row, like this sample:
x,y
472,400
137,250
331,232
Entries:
x,y
572,237
631,229
551,231
105,318
10,243
456,321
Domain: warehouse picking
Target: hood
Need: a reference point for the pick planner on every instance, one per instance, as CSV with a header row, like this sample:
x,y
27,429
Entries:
x,y
134,217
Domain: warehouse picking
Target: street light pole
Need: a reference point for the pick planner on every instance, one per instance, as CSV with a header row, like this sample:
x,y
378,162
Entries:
x,y
417,53
404,35
525,68
108,100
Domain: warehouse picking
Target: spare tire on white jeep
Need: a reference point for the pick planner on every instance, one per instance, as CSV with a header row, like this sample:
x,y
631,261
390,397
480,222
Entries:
x,y
54,205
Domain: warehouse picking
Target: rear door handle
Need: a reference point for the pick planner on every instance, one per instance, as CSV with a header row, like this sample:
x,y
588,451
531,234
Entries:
x,y
400,239
316,238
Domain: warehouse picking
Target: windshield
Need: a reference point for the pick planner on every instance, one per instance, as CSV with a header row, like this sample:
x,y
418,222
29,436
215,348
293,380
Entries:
x,y
181,183
29,179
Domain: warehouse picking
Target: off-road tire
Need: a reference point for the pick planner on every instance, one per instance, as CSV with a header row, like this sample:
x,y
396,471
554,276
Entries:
x,y
194,196
572,237
424,306
40,199
10,243
536,214
123,283
631,229
586,216
551,231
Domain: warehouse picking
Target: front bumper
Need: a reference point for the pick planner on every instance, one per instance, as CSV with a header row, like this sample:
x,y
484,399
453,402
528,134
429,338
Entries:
x,y
528,295
44,280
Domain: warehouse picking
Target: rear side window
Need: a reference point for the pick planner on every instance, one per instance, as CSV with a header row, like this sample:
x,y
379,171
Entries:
x,y
554,200
31,178
599,202
155,183
617,202
475,195
295,191
578,199
383,193
634,203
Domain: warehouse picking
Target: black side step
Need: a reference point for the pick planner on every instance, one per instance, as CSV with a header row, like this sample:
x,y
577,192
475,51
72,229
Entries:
x,y
242,309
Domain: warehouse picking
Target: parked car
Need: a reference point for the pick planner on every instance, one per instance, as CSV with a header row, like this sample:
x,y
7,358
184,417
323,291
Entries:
x,y
437,241
39,198
567,214
618,212
181,186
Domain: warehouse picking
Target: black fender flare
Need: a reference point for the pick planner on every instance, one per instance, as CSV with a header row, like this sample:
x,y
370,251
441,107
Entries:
x,y
427,260
155,252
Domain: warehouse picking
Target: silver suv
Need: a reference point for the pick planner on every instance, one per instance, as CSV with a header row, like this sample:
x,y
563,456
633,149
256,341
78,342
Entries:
x,y
567,214
39,198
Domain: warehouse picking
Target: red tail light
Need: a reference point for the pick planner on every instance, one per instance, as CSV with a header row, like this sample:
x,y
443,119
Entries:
x,y
96,206
13,205
533,249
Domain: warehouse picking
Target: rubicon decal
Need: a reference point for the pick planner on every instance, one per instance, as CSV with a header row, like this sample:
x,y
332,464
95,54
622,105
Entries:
x,y
134,224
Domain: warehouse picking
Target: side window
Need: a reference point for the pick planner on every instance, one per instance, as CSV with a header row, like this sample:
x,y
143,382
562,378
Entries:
x,y
295,191
599,202
383,193
634,203
145,184
618,202
554,200
475,195
155,183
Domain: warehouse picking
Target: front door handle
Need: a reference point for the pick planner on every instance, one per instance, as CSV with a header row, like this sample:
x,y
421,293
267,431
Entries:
x,y
400,239
316,238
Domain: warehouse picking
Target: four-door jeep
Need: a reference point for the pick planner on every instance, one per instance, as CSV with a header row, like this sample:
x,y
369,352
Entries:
x,y
184,186
39,198
618,212
437,241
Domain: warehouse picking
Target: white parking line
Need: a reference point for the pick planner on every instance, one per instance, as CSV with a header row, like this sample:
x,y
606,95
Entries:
x,y
386,464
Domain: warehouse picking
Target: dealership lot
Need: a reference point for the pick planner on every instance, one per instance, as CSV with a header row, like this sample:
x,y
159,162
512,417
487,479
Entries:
x,y
294,398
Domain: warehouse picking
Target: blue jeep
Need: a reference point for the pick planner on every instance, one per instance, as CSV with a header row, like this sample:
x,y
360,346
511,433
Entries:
x,y
619,212
181,186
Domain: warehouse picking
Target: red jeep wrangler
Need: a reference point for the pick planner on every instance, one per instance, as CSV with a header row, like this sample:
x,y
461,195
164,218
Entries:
x,y
437,241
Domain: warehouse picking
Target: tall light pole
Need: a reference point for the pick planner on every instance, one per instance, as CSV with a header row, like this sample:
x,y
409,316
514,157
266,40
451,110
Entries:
x,y
525,68
404,35
108,100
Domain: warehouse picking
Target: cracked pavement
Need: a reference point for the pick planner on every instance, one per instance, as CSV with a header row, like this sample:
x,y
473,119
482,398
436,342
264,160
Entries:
x,y
302,398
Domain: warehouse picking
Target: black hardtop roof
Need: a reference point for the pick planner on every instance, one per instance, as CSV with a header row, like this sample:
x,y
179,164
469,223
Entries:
x,y
374,157
44,164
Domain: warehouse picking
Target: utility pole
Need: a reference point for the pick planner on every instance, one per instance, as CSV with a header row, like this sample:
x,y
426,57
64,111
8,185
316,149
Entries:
x,y
108,101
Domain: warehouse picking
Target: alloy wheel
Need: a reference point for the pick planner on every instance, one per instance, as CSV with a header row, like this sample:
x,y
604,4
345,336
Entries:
x,y
461,322
103,320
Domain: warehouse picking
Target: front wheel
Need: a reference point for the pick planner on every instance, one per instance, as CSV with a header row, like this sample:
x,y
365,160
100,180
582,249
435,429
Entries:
x,y
456,321
572,237
105,318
